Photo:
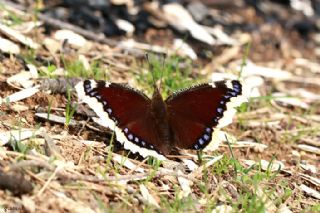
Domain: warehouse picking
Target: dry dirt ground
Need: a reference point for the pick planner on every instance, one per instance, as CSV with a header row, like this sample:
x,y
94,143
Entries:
x,y
47,165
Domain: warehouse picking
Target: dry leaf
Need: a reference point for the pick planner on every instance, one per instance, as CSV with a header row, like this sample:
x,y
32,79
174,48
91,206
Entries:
x,y
23,94
127,163
222,209
264,124
227,55
191,165
56,118
18,36
27,27
303,93
147,196
309,148
74,39
217,76
178,17
284,209
18,135
21,79
19,107
309,167
289,101
132,44
8,46
307,64
303,5
221,37
251,85
252,69
218,136
206,165
52,45
184,49
185,186
242,144
125,26
309,191
28,204
85,62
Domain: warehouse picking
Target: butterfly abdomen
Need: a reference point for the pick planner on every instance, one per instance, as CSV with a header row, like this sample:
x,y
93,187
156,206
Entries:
x,y
160,115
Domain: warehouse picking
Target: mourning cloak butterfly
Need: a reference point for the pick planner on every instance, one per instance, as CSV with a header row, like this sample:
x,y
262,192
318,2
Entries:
x,y
154,127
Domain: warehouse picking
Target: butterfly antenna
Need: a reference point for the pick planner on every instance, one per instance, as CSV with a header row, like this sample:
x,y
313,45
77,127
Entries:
x,y
162,70
151,69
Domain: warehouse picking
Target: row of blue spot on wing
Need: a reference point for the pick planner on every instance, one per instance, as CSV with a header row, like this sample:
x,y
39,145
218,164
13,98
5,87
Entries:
x,y
222,106
237,86
136,140
92,92
204,140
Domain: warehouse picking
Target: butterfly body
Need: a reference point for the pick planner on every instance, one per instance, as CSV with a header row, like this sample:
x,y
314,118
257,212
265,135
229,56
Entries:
x,y
160,116
156,127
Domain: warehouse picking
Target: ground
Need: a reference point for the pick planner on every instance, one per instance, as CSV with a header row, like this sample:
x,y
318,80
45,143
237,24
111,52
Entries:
x,y
270,162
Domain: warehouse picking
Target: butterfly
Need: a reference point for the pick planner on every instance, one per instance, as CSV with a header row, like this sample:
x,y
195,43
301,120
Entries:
x,y
156,127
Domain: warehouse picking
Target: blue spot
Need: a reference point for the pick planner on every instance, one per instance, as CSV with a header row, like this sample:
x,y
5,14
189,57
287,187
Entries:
x,y
93,93
227,96
201,141
232,93
222,102
136,140
206,137
126,130
208,130
220,110
130,137
109,110
236,84
196,146
143,143
236,90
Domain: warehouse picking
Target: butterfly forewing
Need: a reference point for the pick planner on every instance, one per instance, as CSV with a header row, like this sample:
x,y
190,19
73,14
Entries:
x,y
125,110
195,112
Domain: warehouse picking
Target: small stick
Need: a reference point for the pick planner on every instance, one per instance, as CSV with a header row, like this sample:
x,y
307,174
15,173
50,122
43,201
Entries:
x,y
48,181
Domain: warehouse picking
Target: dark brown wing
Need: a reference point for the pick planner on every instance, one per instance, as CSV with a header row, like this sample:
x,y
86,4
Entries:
x,y
125,111
195,112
